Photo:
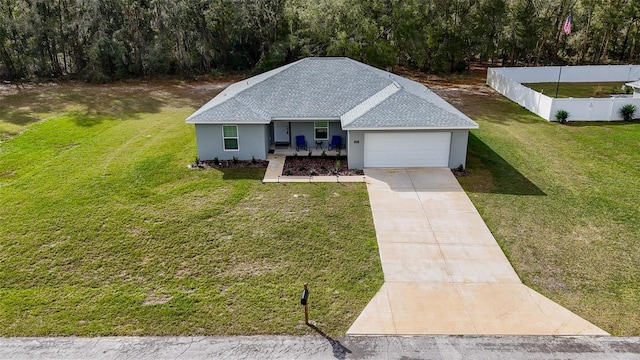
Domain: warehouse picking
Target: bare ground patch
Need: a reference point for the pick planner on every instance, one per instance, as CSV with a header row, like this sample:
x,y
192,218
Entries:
x,y
156,299
461,90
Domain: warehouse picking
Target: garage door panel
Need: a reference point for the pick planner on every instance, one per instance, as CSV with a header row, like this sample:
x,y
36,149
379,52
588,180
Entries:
x,y
406,149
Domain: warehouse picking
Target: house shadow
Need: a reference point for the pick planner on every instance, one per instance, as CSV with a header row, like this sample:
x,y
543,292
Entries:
x,y
491,173
339,351
242,173
602,123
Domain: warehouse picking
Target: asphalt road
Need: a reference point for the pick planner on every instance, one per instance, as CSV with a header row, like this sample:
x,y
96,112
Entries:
x,y
322,347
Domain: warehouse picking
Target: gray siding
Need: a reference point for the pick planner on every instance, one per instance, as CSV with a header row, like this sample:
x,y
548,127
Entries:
x,y
355,149
301,128
252,142
306,128
335,128
268,137
458,150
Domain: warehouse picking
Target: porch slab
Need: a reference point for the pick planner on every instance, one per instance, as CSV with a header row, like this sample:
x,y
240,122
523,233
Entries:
x,y
292,151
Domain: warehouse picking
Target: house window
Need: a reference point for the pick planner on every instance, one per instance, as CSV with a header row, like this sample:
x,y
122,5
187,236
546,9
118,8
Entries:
x,y
230,137
321,130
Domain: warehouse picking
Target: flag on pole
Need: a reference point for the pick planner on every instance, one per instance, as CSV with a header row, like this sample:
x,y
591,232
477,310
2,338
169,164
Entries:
x,y
567,25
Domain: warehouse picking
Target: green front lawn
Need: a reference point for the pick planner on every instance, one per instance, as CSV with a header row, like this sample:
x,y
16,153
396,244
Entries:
x,y
579,90
105,231
564,204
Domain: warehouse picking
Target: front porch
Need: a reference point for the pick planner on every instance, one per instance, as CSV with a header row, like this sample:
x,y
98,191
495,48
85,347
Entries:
x,y
316,150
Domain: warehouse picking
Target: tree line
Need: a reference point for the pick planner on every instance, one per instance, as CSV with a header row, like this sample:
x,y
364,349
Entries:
x,y
103,40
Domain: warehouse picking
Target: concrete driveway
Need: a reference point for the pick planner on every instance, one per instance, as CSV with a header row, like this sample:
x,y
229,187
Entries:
x,y
444,272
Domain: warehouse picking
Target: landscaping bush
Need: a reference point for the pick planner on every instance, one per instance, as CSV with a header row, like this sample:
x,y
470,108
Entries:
x,y
627,112
562,116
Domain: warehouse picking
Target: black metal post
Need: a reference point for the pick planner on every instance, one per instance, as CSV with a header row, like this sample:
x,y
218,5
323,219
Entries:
x,y
558,83
304,299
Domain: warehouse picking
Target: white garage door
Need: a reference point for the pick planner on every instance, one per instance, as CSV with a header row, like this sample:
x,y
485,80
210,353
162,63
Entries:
x,y
406,149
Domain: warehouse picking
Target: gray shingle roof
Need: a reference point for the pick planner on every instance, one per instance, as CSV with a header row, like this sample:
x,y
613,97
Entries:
x,y
328,88
405,110
231,110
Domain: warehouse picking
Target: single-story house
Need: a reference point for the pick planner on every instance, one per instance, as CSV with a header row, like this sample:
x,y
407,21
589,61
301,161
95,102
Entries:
x,y
383,120
636,88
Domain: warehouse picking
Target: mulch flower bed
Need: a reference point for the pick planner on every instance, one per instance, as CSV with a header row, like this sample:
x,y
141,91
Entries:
x,y
318,166
460,171
293,165
228,164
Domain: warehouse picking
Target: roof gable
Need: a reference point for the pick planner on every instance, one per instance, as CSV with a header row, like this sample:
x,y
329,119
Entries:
x,y
405,110
315,87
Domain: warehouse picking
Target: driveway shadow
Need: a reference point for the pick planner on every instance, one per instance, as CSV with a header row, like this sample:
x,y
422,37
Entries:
x,y
490,173
339,350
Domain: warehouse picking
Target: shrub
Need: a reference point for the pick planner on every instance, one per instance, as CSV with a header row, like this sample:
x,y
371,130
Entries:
x,y
197,164
235,159
216,160
288,172
253,159
324,155
94,76
460,66
313,172
562,116
627,112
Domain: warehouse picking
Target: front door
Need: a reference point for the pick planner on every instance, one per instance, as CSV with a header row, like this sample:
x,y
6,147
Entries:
x,y
281,132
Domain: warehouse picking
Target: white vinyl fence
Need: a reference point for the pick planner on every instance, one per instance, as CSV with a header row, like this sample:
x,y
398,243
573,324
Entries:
x,y
507,81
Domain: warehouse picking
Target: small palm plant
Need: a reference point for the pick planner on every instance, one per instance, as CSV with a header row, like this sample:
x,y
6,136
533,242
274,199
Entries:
x,y
562,116
627,112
